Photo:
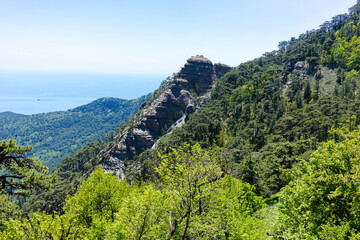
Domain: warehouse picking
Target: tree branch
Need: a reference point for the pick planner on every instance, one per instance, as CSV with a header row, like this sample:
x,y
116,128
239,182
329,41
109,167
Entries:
x,y
11,176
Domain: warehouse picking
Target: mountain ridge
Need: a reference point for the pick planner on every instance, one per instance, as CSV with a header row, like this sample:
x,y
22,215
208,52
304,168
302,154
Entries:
x,y
55,135
9,113
157,116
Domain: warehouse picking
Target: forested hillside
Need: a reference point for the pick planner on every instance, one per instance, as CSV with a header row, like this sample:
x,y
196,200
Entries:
x,y
56,135
268,113
272,152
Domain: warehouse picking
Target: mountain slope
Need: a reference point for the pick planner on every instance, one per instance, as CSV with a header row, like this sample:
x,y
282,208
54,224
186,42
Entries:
x,y
262,116
261,123
175,102
56,135
169,108
268,113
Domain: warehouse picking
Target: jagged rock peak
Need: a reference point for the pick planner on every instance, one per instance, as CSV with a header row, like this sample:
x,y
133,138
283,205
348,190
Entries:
x,y
165,112
222,65
221,69
201,73
199,59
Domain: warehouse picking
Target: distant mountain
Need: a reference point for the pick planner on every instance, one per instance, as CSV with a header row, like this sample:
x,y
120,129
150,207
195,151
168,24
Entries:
x,y
56,135
11,114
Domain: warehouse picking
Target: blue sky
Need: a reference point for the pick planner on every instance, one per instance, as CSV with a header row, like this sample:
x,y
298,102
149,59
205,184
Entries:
x,y
149,37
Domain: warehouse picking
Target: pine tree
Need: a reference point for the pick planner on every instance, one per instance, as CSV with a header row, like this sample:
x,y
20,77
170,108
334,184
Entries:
x,y
307,92
21,173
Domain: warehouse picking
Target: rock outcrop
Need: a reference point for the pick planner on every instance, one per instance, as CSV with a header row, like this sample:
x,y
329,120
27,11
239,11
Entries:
x,y
159,114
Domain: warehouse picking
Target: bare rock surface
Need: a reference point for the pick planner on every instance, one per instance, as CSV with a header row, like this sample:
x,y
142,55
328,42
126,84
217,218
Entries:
x,y
164,113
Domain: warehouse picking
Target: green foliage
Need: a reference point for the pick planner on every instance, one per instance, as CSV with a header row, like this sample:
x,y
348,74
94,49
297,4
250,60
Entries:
x,y
351,84
72,171
8,209
192,199
249,121
20,172
235,209
96,202
345,54
19,175
195,200
41,226
307,92
142,215
323,199
273,110
56,135
188,174
262,118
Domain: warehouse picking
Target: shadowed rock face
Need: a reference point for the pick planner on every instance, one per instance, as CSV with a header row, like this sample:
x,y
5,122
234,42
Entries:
x,y
221,69
159,114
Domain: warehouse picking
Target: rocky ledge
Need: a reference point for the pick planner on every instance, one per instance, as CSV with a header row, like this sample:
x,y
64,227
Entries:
x,y
158,115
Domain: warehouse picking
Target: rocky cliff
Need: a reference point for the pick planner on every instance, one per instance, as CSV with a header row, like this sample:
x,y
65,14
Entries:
x,y
155,117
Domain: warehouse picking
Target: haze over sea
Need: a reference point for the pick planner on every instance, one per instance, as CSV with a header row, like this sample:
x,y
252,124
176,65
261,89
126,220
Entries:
x,y
31,93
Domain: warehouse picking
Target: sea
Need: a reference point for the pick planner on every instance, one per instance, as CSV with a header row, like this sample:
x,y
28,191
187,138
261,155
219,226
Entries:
x,y
32,93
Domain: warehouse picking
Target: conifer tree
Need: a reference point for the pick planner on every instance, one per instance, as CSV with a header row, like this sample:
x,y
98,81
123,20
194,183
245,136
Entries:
x,y
19,172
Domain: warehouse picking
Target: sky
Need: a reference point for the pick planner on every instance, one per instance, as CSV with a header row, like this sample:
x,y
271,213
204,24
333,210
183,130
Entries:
x,y
152,37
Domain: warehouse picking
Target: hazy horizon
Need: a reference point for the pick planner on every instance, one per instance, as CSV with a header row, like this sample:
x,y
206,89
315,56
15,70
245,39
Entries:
x,y
109,40
31,93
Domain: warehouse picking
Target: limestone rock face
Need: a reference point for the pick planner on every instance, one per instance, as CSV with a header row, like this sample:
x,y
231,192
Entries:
x,y
159,114
299,66
199,73
301,69
221,69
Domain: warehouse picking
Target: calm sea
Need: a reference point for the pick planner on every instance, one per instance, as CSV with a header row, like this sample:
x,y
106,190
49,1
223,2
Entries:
x,y
30,93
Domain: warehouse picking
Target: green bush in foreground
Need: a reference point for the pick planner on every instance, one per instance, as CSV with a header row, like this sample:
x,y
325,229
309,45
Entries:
x,y
192,199
322,202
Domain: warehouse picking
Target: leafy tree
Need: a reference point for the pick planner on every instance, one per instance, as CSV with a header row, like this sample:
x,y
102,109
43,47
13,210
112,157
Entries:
x,y
142,215
202,203
345,52
187,173
350,84
96,202
323,199
233,207
193,198
42,226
